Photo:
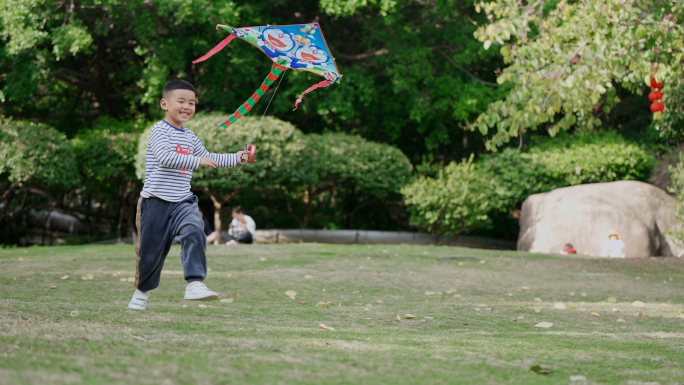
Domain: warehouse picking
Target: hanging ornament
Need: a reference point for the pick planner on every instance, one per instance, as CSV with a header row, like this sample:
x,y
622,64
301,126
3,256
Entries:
x,y
657,107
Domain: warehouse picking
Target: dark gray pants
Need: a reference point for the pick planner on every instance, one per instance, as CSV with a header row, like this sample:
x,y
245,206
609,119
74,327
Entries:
x,y
159,222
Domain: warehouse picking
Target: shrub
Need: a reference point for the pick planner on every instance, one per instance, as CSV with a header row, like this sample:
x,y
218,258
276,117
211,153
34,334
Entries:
x,y
453,202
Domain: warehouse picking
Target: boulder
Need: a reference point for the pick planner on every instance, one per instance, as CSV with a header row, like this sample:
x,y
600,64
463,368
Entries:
x,y
583,215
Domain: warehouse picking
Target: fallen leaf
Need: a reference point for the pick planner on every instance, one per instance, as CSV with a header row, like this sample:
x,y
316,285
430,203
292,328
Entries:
x,y
356,292
544,325
540,370
202,306
537,299
457,296
451,291
572,293
477,309
594,313
584,294
559,306
302,303
52,287
578,378
612,299
572,308
638,304
482,261
378,301
228,300
524,288
262,259
429,293
87,277
64,277
426,253
322,304
397,318
74,313
620,320
139,338
537,310
616,310
638,314
308,276
521,317
325,327
409,316
481,305
16,277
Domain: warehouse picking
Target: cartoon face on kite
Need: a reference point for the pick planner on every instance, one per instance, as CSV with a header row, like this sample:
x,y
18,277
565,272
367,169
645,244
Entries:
x,y
310,54
278,40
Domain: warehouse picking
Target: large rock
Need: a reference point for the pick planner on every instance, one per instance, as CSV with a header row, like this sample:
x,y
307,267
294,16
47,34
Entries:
x,y
583,215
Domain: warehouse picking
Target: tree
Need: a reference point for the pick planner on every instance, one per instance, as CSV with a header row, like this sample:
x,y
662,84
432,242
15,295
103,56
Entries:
x,y
413,73
34,159
454,202
277,142
566,58
332,167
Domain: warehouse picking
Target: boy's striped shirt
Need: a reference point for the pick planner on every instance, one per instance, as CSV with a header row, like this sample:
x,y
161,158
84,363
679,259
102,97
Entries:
x,y
172,154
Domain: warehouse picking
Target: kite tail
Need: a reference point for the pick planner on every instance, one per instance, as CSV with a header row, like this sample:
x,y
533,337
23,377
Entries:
x,y
276,70
214,50
324,83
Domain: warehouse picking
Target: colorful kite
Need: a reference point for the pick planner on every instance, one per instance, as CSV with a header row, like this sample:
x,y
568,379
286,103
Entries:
x,y
299,47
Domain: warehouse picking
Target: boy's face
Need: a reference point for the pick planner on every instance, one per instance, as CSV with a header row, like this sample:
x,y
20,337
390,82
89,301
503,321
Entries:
x,y
179,106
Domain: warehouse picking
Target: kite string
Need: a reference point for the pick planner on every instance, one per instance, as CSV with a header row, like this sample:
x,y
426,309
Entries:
x,y
262,116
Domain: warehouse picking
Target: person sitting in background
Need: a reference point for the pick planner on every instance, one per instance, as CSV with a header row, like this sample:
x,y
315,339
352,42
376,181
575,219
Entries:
x,y
568,249
241,229
613,246
211,235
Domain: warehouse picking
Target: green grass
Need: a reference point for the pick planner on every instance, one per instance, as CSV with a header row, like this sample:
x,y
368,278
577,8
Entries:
x,y
266,337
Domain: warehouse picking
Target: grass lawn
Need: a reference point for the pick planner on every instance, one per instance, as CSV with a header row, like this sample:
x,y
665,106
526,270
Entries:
x,y
474,318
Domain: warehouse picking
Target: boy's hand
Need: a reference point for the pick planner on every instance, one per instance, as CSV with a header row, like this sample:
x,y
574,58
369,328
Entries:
x,y
242,157
208,162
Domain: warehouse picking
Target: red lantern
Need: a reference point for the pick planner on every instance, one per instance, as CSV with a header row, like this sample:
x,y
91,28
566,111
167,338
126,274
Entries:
x,y
655,96
655,84
657,107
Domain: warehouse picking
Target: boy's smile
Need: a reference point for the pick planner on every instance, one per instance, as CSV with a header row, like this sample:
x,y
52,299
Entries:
x,y
179,106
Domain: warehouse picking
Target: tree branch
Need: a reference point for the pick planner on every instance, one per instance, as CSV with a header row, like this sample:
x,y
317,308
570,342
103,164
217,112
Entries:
x,y
467,72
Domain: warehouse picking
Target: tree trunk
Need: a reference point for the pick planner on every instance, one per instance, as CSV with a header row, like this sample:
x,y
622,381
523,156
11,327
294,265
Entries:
x,y
217,220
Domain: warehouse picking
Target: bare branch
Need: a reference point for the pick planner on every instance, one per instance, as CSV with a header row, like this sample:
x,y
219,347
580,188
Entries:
x,y
467,72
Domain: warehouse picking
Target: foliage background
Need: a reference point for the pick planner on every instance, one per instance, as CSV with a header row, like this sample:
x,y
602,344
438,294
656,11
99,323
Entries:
x,y
437,82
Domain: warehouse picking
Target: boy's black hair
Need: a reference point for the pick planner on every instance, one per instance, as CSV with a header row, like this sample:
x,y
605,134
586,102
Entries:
x,y
177,84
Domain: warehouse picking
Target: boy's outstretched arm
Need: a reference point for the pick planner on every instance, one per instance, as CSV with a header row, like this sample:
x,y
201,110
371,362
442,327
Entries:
x,y
214,160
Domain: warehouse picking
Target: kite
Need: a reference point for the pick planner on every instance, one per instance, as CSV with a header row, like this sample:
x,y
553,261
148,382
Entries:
x,y
298,47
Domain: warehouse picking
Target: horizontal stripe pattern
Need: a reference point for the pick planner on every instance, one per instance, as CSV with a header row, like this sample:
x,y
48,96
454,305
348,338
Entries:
x,y
172,155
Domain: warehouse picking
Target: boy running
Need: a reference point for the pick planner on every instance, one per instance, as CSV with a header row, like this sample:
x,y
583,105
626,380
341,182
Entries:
x,y
166,207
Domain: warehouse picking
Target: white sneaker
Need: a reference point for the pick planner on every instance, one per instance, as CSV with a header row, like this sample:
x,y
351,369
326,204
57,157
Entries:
x,y
139,300
199,292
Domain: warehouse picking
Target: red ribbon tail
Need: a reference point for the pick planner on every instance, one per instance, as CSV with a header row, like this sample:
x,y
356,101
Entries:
x,y
214,50
324,83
